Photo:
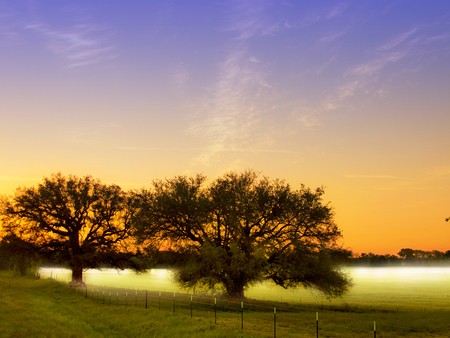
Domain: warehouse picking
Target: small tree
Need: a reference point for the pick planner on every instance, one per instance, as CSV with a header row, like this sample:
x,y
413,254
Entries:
x,y
17,255
240,230
78,221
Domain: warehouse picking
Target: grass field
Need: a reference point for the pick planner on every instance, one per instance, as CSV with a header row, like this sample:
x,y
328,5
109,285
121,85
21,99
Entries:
x,y
46,308
405,288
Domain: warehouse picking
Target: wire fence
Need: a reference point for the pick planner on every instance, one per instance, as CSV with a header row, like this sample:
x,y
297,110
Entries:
x,y
269,319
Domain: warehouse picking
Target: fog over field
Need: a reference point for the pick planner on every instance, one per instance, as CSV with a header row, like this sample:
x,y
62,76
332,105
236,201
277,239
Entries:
x,y
390,287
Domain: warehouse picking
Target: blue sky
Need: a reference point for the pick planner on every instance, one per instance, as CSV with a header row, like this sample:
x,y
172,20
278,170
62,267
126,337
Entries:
x,y
351,95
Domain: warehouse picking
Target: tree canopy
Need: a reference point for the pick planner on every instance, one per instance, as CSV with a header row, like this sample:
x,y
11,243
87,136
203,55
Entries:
x,y
78,221
240,229
18,255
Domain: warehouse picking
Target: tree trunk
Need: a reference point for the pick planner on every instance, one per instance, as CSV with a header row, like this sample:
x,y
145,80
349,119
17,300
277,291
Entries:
x,y
235,291
76,264
77,275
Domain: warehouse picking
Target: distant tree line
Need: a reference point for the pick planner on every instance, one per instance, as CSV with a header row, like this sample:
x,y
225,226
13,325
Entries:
x,y
405,257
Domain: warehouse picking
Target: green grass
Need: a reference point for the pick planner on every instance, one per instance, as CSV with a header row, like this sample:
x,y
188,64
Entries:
x,y
408,289
46,308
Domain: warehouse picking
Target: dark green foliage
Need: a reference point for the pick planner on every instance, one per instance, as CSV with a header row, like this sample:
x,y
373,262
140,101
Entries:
x,y
18,255
78,221
405,257
240,230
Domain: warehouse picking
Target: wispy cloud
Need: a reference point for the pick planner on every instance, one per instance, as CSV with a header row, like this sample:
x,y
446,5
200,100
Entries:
x,y
366,73
330,38
372,176
371,67
308,116
180,76
336,10
9,25
133,148
439,37
79,44
315,16
246,19
360,75
231,117
397,40
348,89
439,172
307,120
431,179
90,134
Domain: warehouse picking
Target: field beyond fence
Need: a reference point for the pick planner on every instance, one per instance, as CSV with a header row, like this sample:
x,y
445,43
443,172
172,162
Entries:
x,y
282,319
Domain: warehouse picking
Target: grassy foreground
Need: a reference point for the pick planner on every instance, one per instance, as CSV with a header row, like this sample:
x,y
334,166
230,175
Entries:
x,y
45,308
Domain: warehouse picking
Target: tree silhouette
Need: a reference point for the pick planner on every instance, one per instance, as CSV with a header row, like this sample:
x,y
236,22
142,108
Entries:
x,y
78,221
18,255
240,230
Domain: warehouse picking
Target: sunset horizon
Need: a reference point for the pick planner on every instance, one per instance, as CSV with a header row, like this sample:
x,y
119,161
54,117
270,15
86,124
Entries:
x,y
351,96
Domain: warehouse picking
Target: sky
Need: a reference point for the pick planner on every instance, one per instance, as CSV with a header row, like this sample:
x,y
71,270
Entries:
x,y
351,95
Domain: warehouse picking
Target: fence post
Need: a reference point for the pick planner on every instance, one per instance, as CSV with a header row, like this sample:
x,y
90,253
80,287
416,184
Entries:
x,y
126,299
174,302
274,322
191,306
145,298
117,299
317,324
110,299
86,291
103,297
242,316
374,329
215,310
135,300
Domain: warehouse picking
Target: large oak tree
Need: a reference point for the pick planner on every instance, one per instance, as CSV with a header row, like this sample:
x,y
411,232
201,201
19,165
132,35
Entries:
x,y
78,221
239,230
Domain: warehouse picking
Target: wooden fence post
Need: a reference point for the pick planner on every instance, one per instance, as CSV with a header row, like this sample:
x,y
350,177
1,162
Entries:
x,y
317,324
174,302
242,316
274,322
215,310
